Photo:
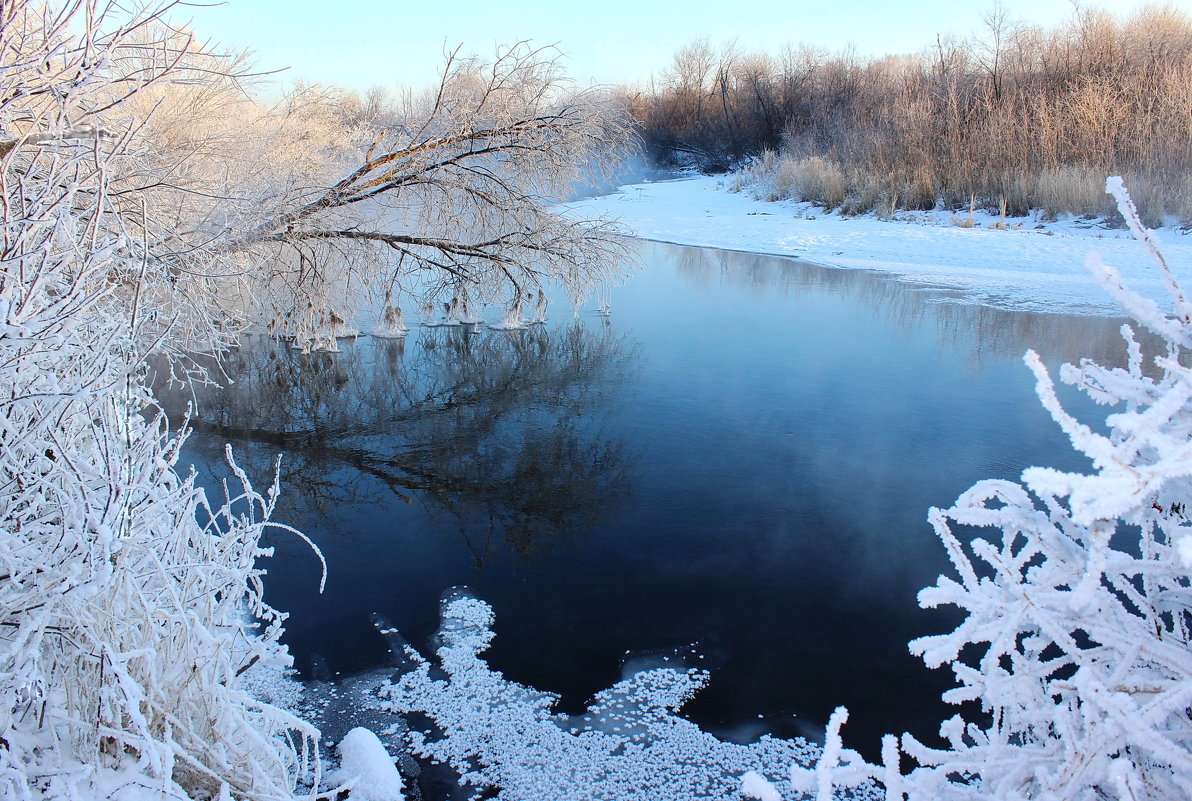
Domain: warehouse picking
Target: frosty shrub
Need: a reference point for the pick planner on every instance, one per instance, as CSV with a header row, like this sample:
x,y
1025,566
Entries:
x,y
1076,641
503,737
130,607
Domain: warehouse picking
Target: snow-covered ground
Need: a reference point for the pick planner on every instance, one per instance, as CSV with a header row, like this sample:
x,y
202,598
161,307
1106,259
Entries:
x,y
1033,266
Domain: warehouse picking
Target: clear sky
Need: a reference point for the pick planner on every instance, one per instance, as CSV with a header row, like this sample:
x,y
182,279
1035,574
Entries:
x,y
363,43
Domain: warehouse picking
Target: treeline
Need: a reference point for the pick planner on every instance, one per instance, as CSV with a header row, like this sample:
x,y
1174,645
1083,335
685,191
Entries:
x,y
1017,117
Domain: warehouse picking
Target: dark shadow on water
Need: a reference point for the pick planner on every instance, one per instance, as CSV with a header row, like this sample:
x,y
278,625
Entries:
x,y
473,426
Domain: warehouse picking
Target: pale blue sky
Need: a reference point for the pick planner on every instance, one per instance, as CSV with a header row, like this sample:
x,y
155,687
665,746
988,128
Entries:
x,y
361,43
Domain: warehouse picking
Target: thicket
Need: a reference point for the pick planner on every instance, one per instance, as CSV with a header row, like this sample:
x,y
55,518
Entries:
x,y
1020,115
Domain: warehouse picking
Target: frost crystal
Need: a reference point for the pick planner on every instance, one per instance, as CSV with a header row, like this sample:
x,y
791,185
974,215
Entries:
x,y
630,744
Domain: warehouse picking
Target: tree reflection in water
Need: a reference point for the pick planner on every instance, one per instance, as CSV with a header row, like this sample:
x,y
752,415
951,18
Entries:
x,y
500,430
985,331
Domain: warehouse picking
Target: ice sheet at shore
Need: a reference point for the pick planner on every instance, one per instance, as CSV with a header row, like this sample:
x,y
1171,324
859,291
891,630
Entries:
x,y
1027,269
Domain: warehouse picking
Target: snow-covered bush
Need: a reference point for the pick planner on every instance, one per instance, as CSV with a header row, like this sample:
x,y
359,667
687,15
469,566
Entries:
x,y
1076,640
130,607
367,768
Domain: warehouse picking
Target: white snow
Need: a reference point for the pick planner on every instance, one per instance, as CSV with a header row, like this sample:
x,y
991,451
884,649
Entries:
x,y
630,744
1027,269
392,324
754,785
367,765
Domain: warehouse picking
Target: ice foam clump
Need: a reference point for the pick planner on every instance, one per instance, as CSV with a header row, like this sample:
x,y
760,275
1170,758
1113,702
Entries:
x,y
503,738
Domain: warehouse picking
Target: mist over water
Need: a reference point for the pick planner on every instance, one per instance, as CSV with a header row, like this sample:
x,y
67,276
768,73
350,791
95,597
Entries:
x,y
741,458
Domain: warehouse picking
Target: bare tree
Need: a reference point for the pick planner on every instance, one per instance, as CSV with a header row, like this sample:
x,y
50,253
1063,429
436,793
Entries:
x,y
304,210
998,28
1017,117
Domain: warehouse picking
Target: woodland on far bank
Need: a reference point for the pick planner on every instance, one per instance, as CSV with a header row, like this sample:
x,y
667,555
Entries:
x,y
1015,118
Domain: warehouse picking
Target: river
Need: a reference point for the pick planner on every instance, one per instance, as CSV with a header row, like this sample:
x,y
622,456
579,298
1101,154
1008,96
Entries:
x,y
733,468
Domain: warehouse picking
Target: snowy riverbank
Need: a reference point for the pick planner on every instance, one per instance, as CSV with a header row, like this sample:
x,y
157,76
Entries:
x,y
1029,268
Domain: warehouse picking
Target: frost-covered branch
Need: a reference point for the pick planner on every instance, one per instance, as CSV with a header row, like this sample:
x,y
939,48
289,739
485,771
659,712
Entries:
x,y
307,210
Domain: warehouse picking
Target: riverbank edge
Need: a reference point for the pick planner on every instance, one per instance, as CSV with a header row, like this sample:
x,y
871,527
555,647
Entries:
x,y
1020,264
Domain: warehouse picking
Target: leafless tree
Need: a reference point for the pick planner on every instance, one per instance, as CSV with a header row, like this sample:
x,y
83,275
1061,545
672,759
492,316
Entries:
x,y
305,210
1018,117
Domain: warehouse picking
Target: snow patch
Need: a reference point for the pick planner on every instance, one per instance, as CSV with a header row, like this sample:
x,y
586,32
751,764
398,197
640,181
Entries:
x,y
754,785
1039,267
367,766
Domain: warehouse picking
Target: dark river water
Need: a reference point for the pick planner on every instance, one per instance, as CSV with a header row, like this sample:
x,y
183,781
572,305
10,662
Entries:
x,y
741,457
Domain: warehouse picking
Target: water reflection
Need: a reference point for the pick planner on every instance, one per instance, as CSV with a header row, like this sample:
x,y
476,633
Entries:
x,y
984,330
493,429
